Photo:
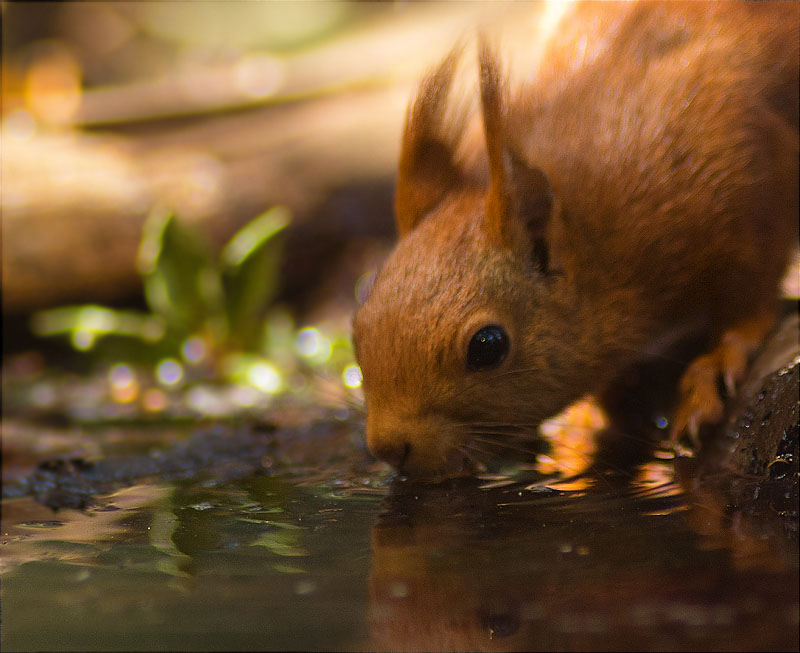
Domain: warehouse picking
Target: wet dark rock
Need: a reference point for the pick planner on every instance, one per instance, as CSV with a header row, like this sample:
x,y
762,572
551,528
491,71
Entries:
x,y
221,454
753,464
771,451
72,483
760,437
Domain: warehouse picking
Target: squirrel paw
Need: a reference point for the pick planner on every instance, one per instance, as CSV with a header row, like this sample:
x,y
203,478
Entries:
x,y
700,402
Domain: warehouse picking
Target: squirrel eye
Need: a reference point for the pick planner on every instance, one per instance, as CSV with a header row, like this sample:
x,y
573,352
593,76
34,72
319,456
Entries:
x,y
487,348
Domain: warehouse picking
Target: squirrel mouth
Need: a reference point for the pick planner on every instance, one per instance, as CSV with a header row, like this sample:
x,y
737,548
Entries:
x,y
458,463
454,465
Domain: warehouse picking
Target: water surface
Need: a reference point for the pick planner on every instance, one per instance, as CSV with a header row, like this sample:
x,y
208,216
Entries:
x,y
345,557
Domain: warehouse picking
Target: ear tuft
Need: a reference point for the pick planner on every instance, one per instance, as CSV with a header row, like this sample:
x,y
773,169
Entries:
x,y
519,202
428,169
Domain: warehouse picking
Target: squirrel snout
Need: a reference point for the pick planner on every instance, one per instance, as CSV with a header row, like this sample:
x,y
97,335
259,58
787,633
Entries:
x,y
426,449
394,451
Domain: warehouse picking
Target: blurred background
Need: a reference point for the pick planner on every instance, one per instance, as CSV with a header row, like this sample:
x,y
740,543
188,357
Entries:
x,y
191,193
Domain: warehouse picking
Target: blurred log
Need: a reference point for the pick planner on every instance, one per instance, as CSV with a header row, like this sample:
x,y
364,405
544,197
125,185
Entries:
x,y
393,48
72,210
73,203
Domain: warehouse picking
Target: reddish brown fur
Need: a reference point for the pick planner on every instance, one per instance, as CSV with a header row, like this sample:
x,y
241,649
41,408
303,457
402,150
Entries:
x,y
645,187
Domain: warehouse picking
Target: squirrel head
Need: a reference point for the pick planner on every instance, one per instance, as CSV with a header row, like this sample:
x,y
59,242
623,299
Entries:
x,y
445,340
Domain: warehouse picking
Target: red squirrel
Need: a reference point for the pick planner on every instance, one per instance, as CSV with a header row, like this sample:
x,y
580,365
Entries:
x,y
640,191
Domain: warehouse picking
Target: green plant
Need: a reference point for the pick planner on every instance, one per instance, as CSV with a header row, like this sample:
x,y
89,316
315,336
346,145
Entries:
x,y
213,339
190,294
223,301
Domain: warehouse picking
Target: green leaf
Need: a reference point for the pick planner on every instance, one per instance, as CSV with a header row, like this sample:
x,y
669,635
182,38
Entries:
x,y
251,267
87,323
181,281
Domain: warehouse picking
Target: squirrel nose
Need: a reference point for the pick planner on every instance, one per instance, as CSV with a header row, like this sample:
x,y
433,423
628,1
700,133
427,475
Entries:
x,y
394,452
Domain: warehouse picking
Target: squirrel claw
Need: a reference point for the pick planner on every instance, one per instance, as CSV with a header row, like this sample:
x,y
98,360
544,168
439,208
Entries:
x,y
733,353
693,429
700,402
730,384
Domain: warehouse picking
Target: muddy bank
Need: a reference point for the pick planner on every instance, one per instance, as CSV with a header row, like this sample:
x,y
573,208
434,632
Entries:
x,y
215,455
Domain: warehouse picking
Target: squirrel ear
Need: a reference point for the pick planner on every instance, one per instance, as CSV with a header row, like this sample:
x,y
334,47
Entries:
x,y
520,200
427,169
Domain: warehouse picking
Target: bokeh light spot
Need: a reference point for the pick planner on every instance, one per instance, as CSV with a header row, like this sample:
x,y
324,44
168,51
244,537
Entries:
x,y
352,376
244,396
124,385
53,84
193,350
19,125
399,590
82,340
305,587
206,401
154,400
310,343
259,75
169,372
264,377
